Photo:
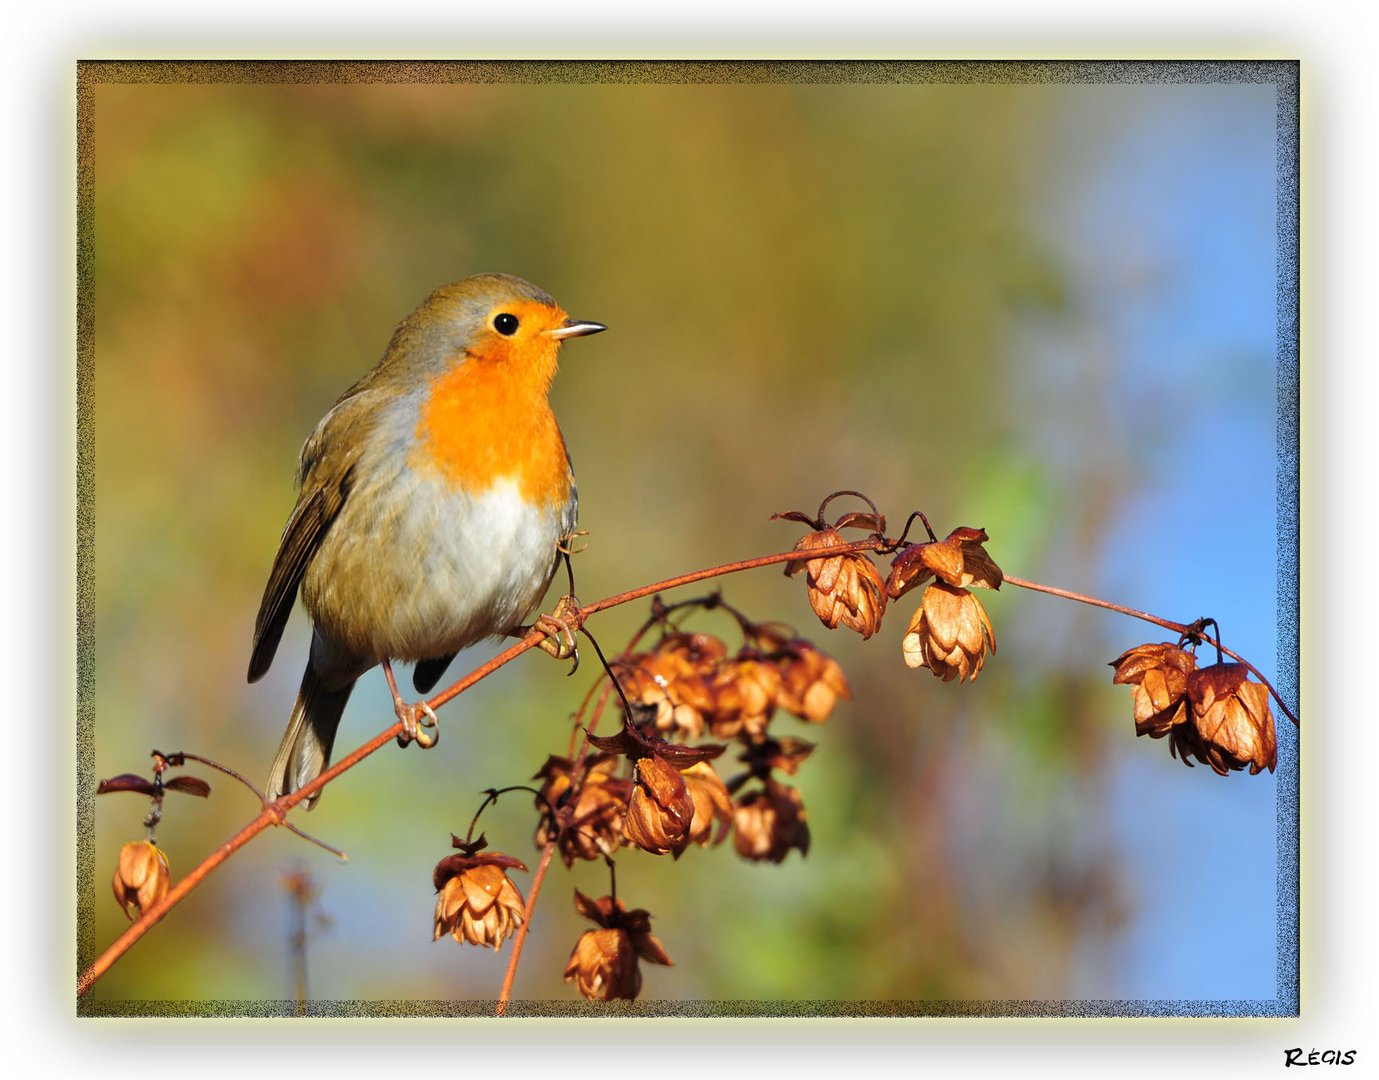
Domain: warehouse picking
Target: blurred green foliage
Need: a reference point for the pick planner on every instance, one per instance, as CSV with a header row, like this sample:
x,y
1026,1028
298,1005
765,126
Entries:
x,y
808,288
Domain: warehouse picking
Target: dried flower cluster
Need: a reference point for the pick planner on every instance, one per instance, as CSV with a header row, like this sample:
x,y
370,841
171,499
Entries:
x,y
688,684
1216,714
949,633
648,787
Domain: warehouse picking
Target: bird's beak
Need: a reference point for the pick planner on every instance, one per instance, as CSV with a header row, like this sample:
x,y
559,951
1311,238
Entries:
x,y
575,328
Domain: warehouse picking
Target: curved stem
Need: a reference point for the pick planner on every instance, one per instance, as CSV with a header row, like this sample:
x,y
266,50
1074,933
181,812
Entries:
x,y
576,779
839,494
870,544
221,768
491,796
895,545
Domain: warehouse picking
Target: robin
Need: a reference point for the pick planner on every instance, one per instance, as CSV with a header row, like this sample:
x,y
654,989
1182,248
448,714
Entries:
x,y
435,497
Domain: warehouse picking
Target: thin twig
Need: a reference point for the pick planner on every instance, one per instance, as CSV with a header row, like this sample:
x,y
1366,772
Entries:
x,y
870,544
576,781
505,994
220,768
1178,628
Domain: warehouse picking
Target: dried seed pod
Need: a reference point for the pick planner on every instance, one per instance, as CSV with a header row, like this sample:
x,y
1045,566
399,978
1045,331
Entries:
x,y
949,634
844,588
661,810
811,680
1158,674
141,877
770,823
595,828
1232,724
959,560
604,964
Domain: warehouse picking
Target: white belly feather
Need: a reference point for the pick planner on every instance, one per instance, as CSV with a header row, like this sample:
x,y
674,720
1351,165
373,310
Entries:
x,y
444,568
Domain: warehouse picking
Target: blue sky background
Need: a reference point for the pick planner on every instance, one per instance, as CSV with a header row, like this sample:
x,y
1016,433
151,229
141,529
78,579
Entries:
x,y
1167,227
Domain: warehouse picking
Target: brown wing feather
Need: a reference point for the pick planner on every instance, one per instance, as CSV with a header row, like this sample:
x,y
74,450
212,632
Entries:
x,y
301,538
325,478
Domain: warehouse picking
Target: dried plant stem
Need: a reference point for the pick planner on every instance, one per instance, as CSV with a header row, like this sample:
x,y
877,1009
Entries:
x,y
505,994
577,779
1168,624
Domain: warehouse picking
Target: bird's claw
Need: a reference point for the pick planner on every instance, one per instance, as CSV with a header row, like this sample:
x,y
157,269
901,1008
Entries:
x,y
419,724
560,628
414,718
566,544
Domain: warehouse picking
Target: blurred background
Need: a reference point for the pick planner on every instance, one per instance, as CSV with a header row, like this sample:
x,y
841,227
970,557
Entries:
x,y
1045,310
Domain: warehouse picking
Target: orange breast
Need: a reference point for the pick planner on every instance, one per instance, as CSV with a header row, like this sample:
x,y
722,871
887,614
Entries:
x,y
488,419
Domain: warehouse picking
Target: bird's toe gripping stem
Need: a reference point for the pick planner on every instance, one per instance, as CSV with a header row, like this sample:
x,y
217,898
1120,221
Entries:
x,y
560,628
419,722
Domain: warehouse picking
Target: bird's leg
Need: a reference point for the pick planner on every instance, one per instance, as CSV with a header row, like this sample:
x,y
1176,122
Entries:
x,y
560,628
419,721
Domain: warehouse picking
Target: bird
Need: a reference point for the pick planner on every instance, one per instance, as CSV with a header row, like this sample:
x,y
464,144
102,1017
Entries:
x,y
435,501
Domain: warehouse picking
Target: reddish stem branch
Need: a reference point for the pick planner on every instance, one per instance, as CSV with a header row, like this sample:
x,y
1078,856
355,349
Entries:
x,y
871,544
576,781
505,994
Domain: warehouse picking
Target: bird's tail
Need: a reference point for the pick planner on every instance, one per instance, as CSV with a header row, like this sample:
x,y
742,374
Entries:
x,y
305,750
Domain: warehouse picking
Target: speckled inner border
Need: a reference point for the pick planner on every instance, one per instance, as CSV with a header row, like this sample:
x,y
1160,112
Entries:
x,y
1284,75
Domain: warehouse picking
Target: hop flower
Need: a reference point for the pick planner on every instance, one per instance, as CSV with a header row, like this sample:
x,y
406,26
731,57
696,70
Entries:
x,y
949,634
596,824
745,695
712,803
661,810
141,877
691,654
1232,725
674,679
844,588
604,963
960,560
811,681
478,903
1159,674
786,754
769,823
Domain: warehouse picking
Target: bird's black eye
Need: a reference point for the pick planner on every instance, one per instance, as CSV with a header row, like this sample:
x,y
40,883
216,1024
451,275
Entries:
x,y
505,324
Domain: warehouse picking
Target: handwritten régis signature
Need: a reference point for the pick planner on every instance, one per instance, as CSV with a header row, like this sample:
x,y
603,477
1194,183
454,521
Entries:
x,y
1297,1056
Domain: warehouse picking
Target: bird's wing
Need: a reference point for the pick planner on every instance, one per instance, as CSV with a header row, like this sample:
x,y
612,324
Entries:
x,y
325,485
